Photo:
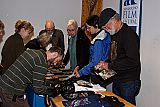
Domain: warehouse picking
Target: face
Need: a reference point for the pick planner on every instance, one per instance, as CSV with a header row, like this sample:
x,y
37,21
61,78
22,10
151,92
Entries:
x,y
26,33
72,30
2,33
91,29
28,38
49,28
57,60
54,58
110,27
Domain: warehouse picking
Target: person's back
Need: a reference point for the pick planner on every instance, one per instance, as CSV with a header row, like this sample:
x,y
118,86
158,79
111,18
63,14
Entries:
x,y
41,42
33,44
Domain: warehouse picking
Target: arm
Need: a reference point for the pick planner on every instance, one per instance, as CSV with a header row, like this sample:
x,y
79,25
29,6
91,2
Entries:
x,y
96,55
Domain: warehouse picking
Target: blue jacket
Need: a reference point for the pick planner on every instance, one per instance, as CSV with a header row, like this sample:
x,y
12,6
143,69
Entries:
x,y
99,50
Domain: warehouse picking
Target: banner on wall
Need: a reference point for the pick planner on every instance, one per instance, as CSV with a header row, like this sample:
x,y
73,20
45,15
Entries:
x,y
131,13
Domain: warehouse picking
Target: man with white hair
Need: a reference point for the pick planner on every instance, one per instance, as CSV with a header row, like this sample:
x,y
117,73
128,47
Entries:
x,y
78,46
124,55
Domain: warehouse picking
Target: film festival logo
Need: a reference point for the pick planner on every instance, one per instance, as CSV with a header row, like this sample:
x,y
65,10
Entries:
x,y
130,12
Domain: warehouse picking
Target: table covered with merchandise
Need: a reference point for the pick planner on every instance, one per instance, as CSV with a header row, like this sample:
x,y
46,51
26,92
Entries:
x,y
70,92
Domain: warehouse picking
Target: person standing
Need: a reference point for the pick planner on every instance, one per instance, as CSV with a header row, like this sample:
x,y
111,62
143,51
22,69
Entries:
x,y
14,45
30,68
56,34
78,46
124,55
99,47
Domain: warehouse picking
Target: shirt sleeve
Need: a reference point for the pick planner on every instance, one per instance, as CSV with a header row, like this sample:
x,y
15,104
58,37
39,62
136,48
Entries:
x,y
39,73
96,53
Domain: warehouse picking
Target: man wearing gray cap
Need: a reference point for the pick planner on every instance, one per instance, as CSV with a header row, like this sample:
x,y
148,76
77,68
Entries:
x,y
124,55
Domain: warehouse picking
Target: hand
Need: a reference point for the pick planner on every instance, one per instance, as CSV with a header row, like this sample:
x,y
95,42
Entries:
x,y
75,72
47,101
102,65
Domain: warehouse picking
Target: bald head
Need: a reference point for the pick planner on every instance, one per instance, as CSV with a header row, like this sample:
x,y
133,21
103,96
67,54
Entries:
x,y
49,26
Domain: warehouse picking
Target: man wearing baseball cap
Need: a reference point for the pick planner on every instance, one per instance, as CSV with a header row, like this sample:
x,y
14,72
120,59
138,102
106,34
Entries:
x,y
124,55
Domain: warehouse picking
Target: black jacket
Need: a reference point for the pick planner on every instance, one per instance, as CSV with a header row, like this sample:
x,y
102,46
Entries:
x,y
11,50
57,38
125,55
82,49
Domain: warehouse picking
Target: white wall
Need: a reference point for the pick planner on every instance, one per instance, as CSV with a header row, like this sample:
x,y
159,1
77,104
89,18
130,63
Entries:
x,y
37,11
150,50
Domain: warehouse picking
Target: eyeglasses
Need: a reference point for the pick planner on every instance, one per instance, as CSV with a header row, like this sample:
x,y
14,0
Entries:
x,y
49,30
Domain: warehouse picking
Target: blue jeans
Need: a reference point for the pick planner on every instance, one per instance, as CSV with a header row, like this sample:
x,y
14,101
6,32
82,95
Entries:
x,y
127,90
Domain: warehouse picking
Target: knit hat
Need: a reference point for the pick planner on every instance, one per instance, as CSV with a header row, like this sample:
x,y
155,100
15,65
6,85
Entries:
x,y
105,16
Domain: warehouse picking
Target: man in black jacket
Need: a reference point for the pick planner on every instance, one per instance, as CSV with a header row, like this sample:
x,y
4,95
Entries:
x,y
56,34
124,55
78,46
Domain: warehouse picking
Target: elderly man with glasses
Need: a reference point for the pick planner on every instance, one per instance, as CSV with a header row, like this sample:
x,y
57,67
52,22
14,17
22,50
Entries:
x,y
124,55
78,46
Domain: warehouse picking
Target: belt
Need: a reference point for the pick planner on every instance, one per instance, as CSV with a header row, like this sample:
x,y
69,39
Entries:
x,y
16,96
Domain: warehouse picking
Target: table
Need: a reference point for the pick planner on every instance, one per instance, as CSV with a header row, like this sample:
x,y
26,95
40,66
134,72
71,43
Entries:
x,y
57,101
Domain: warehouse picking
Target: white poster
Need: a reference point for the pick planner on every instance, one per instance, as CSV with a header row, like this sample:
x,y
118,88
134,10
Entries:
x,y
131,13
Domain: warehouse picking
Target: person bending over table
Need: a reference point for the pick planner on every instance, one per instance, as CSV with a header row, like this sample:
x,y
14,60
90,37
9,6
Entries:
x,y
30,68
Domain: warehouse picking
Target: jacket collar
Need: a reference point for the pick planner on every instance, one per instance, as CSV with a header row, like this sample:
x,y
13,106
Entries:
x,y
100,36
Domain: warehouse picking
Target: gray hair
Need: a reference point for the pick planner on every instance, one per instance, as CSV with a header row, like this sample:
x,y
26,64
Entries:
x,y
72,22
